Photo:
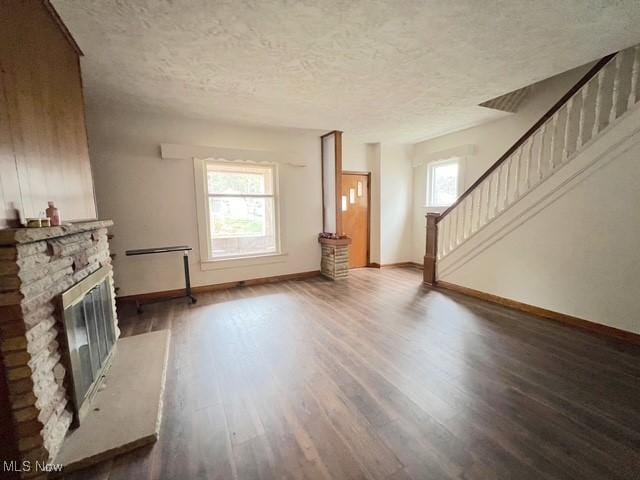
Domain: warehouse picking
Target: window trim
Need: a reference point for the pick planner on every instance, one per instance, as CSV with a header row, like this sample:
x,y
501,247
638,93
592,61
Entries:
x,y
429,179
207,261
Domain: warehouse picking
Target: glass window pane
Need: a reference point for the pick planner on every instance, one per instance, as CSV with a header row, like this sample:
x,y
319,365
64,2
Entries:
x,y
242,226
78,340
444,184
92,329
238,216
100,323
107,308
239,179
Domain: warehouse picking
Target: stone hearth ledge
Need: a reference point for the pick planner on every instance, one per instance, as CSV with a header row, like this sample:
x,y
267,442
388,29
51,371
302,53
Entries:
x,y
17,236
127,409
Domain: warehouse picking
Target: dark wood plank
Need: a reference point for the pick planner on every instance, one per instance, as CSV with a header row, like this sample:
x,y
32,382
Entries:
x,y
380,377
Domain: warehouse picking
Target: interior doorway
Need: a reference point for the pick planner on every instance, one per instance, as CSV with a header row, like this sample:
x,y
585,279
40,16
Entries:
x,y
356,220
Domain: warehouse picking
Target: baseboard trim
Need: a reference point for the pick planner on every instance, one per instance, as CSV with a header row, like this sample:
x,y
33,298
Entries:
x,y
180,292
576,322
396,265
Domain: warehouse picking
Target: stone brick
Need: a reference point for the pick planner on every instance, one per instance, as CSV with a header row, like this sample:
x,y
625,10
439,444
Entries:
x,y
47,283
56,399
60,249
33,319
334,263
30,305
31,275
99,234
33,261
44,361
28,249
43,352
80,275
58,373
69,239
55,436
43,320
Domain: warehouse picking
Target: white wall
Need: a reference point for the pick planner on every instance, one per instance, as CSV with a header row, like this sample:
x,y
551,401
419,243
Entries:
x,y
390,197
152,200
373,157
354,154
571,245
358,156
490,141
396,192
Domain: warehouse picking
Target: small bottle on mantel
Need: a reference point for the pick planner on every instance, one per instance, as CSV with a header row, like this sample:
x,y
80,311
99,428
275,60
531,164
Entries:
x,y
54,214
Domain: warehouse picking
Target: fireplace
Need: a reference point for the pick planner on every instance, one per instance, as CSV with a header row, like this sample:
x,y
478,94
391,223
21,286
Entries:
x,y
38,266
88,317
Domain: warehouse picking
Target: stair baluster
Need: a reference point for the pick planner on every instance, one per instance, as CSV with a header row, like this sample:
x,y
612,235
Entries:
x,y
604,94
616,89
635,72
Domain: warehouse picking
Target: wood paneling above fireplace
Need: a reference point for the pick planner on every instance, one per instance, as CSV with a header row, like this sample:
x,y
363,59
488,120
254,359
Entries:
x,y
43,139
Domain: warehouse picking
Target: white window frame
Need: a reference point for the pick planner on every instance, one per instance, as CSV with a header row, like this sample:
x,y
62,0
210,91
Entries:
x,y
431,166
207,261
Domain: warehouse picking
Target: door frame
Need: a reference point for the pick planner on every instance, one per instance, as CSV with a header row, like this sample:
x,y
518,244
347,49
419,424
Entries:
x,y
368,175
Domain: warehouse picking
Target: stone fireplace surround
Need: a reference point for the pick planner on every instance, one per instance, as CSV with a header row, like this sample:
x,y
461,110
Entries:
x,y
36,266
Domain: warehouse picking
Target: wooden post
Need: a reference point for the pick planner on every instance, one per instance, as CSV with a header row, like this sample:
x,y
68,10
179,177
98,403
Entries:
x,y
431,249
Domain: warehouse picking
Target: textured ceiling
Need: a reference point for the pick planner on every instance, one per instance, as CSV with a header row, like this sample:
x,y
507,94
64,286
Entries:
x,y
393,70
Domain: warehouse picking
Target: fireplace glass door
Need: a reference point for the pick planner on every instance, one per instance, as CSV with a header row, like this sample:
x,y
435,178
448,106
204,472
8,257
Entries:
x,y
89,325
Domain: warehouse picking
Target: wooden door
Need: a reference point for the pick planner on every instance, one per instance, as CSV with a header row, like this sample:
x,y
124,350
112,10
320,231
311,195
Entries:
x,y
355,216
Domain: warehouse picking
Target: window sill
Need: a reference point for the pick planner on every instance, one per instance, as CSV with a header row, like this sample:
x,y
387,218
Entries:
x,y
240,262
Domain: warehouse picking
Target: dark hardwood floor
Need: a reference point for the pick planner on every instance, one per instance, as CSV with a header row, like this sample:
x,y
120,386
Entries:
x,y
378,377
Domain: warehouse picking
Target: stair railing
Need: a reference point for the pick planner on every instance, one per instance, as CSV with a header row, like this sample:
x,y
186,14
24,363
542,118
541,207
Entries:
x,y
608,90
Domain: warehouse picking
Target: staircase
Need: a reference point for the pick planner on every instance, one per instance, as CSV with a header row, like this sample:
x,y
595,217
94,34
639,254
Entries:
x,y
609,90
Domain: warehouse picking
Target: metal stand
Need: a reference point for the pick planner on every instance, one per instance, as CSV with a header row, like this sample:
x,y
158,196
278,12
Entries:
x,y
185,260
187,277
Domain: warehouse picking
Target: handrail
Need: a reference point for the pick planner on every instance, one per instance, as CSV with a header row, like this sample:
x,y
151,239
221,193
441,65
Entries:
x,y
572,91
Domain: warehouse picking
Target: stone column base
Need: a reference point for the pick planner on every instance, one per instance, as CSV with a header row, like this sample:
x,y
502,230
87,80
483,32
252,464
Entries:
x,y
335,258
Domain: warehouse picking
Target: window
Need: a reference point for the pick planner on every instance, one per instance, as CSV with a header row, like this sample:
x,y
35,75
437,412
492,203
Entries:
x,y
240,209
443,182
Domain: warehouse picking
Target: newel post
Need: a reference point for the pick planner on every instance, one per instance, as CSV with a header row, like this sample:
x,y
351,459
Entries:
x,y
431,249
